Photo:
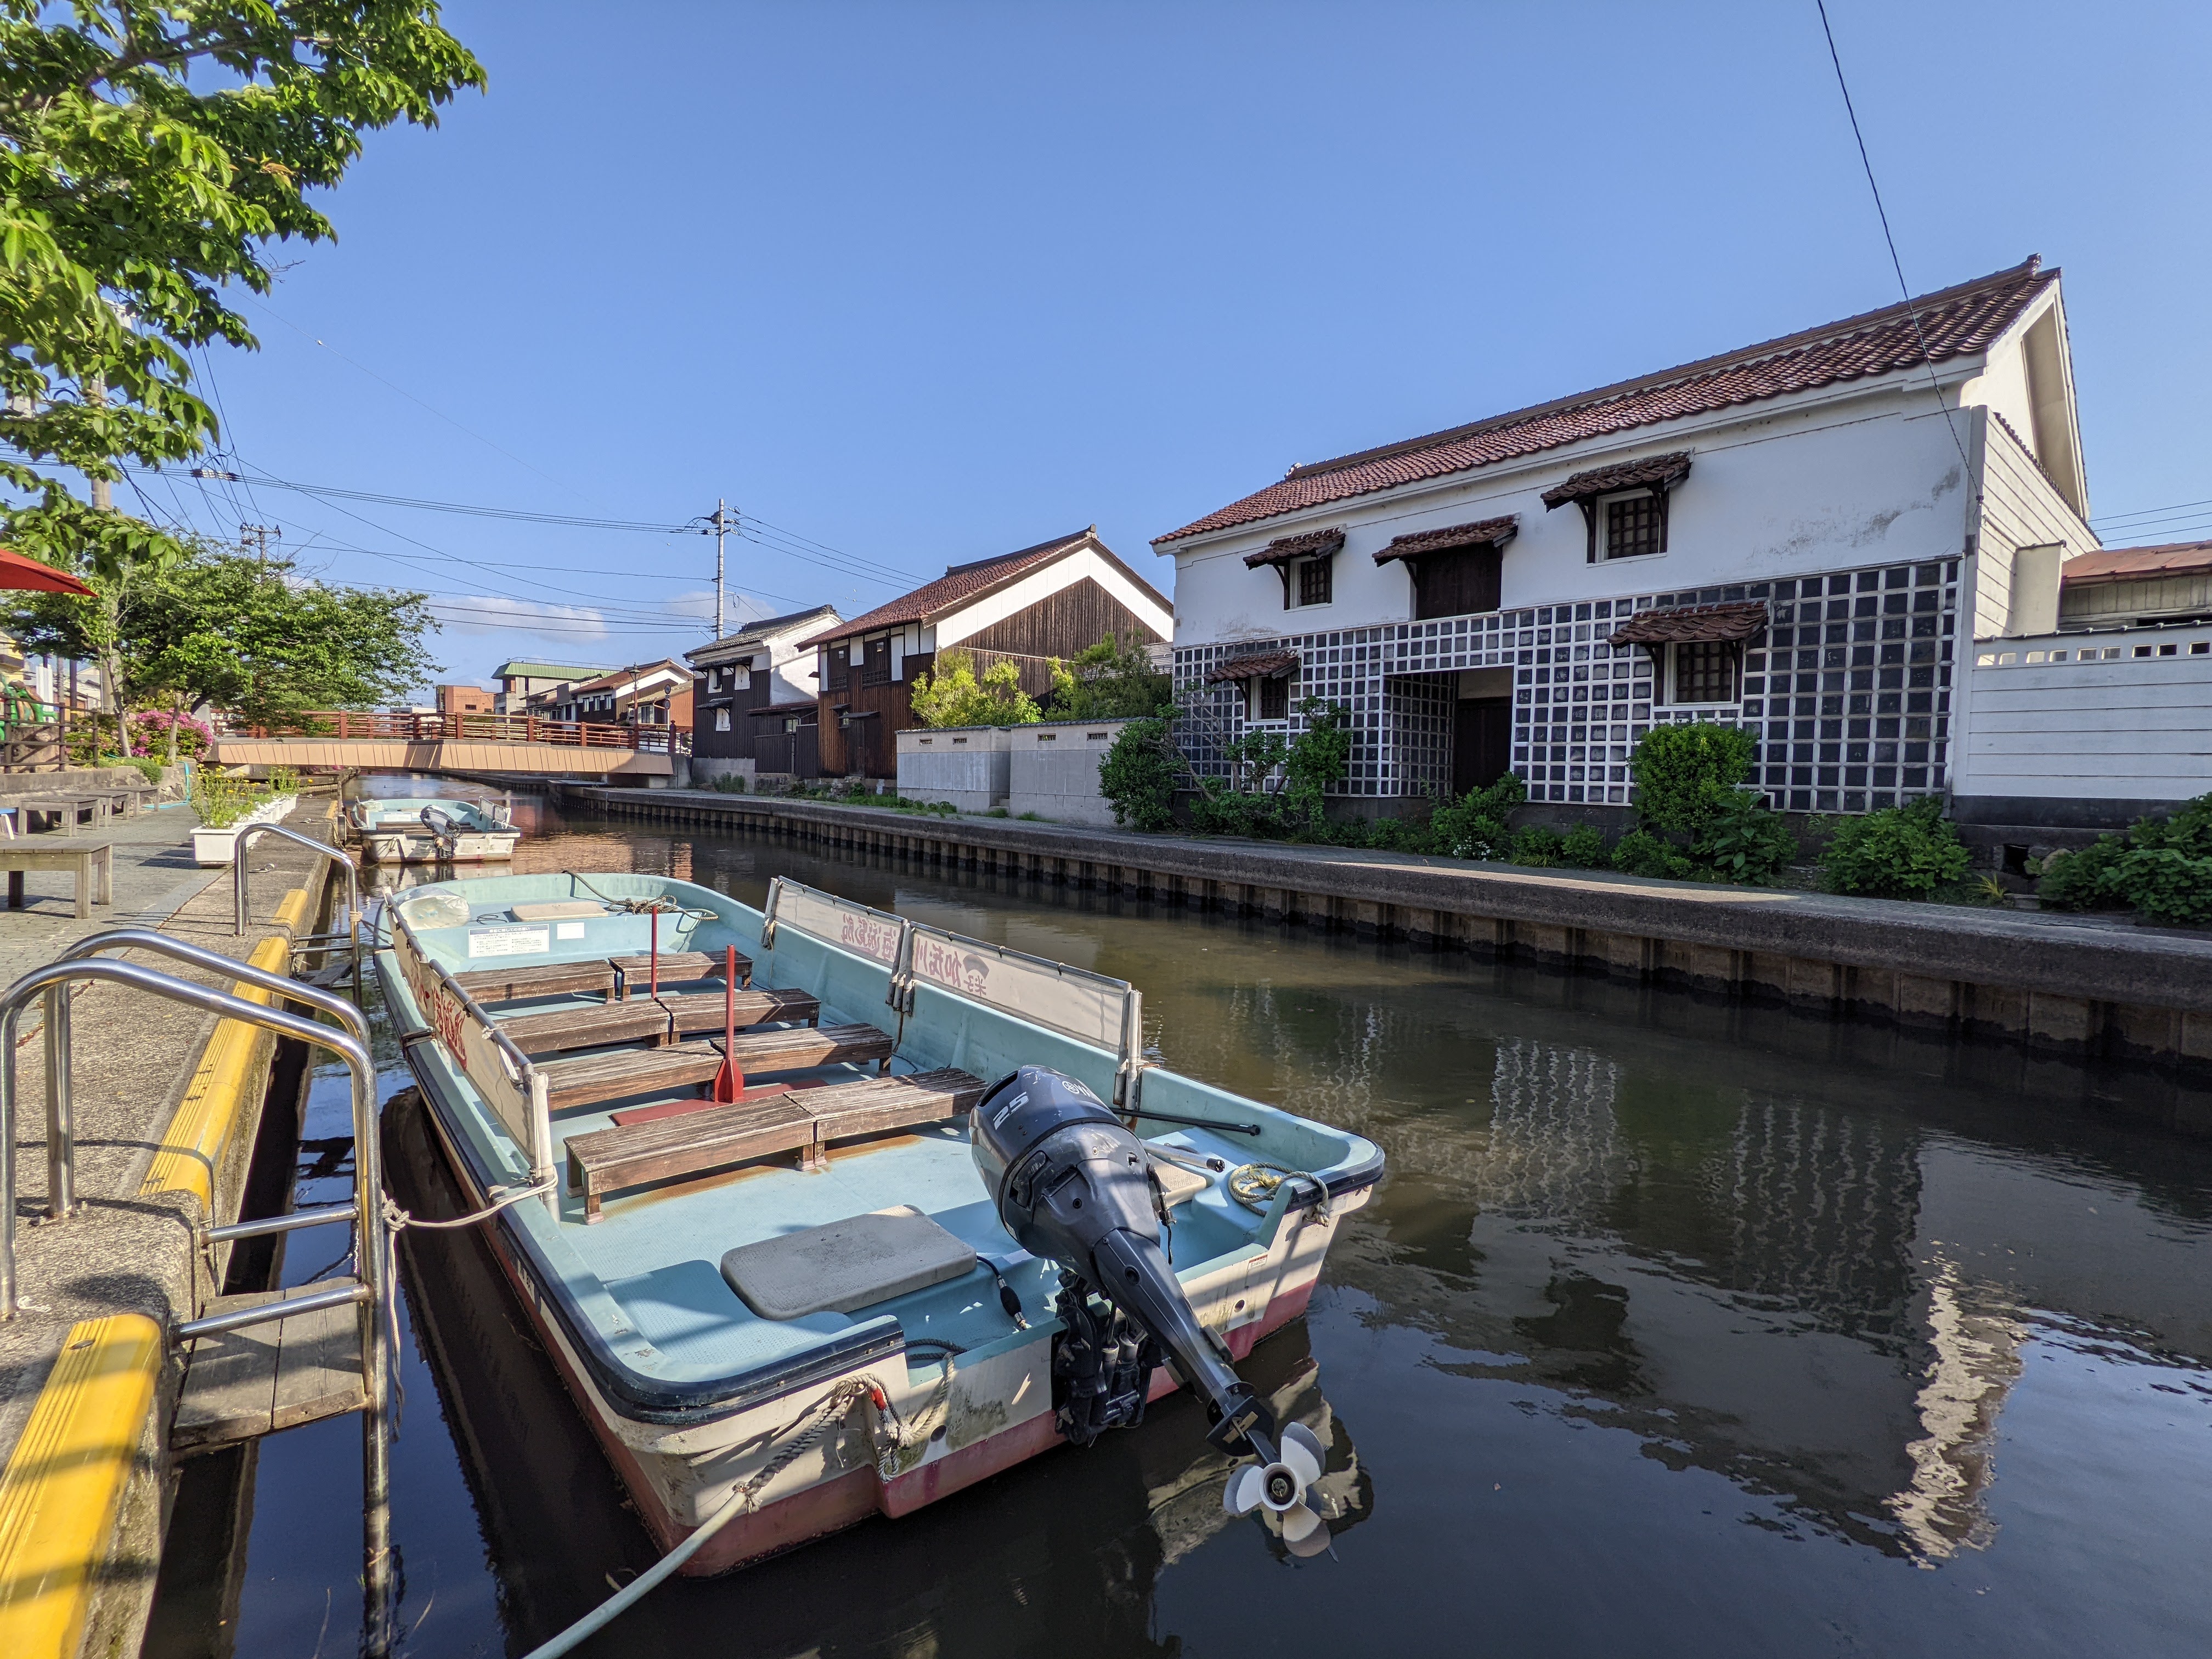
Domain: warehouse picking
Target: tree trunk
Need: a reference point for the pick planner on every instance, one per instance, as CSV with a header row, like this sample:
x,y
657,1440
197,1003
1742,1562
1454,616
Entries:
x,y
176,713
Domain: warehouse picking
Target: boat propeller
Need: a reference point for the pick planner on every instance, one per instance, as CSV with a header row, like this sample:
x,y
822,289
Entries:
x,y
1282,1489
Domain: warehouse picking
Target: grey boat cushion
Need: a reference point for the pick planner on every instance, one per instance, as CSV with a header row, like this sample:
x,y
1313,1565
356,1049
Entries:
x,y
845,1265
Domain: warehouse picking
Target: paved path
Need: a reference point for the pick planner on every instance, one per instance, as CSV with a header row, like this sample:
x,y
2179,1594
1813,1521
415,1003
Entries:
x,y
155,877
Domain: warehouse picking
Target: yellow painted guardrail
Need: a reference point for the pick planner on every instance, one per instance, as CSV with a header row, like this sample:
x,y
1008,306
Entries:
x,y
64,1488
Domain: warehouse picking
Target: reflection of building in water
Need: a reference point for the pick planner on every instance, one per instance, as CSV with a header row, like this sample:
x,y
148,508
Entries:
x,y
1977,1361
1554,1153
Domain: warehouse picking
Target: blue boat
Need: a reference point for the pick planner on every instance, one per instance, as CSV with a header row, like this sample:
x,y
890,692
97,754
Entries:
x,y
431,830
793,1277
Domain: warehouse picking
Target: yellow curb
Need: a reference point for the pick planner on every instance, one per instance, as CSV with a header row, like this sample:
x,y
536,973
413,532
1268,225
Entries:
x,y
64,1487
193,1148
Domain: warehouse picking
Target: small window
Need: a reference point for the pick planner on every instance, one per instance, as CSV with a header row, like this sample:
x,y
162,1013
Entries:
x,y
1314,578
1635,526
1704,672
1275,699
721,720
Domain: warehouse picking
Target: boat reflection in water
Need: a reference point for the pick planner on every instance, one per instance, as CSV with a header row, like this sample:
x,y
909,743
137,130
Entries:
x,y
1090,1529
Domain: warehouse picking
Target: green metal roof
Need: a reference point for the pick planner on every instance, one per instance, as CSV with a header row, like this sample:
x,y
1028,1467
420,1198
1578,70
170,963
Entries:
x,y
546,670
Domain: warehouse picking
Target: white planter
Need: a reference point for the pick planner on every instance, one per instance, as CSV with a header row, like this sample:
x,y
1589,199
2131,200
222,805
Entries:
x,y
213,846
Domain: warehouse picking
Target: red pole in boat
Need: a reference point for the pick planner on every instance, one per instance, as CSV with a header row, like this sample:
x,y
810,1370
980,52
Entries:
x,y
653,967
729,1082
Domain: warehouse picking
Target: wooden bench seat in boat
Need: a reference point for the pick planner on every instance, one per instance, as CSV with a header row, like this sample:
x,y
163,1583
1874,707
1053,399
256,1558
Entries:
x,y
716,1137
691,1013
553,979
801,1047
596,1025
592,1080
610,1159
676,968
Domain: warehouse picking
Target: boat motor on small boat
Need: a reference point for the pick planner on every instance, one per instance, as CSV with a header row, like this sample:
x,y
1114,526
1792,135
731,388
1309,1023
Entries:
x,y
428,831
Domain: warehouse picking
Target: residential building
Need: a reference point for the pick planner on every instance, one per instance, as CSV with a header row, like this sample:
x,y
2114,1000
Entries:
x,y
464,700
2137,587
520,681
656,694
1804,538
1025,607
755,703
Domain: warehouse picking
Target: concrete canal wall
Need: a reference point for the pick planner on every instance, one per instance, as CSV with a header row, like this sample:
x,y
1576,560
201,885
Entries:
x,y
2057,983
169,1106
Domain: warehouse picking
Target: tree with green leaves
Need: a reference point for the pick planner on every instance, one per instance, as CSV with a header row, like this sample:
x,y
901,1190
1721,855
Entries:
x,y
1109,681
151,153
950,693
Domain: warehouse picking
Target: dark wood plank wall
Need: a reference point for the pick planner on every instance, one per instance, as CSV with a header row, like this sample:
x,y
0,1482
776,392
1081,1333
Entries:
x,y
1060,624
737,742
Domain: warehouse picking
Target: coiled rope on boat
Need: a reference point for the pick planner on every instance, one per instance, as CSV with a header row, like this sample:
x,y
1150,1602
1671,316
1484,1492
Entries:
x,y
1255,1185
639,907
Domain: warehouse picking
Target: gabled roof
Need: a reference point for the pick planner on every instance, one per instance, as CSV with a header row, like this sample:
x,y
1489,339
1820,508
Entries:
x,y
964,584
623,678
1953,321
765,628
2125,564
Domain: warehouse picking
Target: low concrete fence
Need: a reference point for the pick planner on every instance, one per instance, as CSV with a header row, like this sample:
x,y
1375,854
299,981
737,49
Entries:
x,y
1050,768
2068,985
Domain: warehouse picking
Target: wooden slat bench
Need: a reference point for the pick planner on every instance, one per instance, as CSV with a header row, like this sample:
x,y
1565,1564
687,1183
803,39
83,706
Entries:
x,y
803,1047
586,1025
676,968
552,980
92,862
595,1078
870,1108
610,1159
703,1010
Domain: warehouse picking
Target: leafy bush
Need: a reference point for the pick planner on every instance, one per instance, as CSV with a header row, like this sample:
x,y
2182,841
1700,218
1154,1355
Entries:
x,y
1109,681
1584,848
1537,846
1746,841
951,694
148,770
1900,852
2168,886
1473,826
1219,810
1140,773
2160,866
1391,835
1687,776
1317,758
731,783
1640,852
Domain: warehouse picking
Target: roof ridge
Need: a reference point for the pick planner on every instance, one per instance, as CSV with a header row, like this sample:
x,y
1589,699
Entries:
x,y
1021,552
1740,357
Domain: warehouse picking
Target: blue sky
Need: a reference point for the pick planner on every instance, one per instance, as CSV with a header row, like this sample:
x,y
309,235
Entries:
x,y
924,284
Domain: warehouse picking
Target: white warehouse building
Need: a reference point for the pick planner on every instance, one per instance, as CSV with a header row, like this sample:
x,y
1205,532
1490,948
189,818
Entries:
x,y
1805,537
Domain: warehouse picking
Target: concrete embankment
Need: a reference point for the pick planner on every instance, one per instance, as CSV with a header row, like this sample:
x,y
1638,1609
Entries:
x,y
168,1103
2069,984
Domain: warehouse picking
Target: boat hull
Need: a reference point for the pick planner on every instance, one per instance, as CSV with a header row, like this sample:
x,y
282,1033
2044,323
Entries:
x,y
471,846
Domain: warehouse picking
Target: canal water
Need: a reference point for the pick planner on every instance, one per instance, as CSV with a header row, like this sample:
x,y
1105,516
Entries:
x,y
1676,1327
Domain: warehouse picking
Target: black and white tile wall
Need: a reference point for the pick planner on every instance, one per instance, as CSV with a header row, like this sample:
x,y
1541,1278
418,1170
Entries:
x,y
1849,691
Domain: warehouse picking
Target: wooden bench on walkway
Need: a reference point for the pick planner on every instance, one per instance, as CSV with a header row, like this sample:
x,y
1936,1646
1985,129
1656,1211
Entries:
x,y
720,1137
90,861
63,806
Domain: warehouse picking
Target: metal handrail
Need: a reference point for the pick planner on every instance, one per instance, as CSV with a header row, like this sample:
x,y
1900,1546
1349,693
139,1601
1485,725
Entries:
x,y
146,939
241,898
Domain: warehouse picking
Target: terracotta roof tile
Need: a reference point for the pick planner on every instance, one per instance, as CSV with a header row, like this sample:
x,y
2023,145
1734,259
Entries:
x,y
754,632
1491,532
1737,620
1955,321
1285,548
1622,474
1262,664
2121,564
961,583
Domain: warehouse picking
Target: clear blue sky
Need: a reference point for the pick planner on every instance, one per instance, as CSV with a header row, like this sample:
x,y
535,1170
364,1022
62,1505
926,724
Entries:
x,y
924,283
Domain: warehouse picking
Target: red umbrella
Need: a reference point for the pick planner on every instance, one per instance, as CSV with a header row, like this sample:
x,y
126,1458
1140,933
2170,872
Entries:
x,y
16,571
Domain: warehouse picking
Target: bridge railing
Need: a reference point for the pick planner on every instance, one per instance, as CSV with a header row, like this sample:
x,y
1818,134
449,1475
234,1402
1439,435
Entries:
x,y
466,728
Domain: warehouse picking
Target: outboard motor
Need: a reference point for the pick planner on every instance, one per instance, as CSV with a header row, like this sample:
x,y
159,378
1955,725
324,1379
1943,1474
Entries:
x,y
1075,1187
447,833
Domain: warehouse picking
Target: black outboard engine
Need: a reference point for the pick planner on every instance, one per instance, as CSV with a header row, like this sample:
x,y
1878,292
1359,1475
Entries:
x,y
1073,1186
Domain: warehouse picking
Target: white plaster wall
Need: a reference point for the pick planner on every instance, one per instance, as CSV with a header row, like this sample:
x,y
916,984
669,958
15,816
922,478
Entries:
x,y
2130,727
1060,573
1848,481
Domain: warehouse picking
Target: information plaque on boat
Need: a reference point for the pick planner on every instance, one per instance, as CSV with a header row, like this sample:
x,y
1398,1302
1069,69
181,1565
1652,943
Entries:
x,y
508,941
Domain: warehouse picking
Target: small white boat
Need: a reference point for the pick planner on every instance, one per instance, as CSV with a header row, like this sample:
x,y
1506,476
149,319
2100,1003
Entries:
x,y
428,831
912,1237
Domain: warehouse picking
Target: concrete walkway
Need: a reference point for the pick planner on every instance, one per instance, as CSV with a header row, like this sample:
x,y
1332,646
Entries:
x,y
155,877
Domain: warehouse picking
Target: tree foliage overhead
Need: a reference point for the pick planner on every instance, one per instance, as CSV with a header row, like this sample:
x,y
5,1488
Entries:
x,y
1110,681
951,694
149,154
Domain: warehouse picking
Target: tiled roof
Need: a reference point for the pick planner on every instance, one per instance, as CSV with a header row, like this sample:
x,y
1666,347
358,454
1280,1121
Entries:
x,y
1954,321
1263,665
963,584
1737,620
2122,564
1284,549
754,633
1624,475
1483,532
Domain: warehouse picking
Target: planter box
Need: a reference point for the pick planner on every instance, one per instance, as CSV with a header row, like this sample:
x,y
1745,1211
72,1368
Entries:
x,y
213,847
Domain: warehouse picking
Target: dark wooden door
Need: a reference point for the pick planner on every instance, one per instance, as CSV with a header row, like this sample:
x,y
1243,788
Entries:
x,y
1482,742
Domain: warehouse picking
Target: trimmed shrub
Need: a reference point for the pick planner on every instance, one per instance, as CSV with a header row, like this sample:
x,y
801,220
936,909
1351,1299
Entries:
x,y
1744,841
1584,848
1139,775
1640,852
2082,880
2167,885
1537,846
1900,852
1473,826
1687,776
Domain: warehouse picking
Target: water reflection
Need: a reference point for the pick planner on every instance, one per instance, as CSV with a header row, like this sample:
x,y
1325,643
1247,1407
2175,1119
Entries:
x,y
1677,1327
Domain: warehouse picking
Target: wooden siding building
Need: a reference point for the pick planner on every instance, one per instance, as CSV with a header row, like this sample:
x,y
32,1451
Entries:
x,y
755,703
1026,607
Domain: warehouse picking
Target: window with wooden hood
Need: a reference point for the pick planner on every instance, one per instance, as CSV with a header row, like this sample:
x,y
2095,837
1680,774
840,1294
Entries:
x,y
1315,580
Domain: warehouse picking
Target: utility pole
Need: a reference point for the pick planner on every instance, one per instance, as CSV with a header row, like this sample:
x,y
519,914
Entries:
x,y
724,521
258,537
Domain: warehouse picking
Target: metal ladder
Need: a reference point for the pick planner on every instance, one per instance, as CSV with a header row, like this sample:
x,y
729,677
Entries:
x,y
241,903
370,1291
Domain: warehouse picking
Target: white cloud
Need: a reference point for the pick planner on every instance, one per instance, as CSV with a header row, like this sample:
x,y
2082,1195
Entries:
x,y
488,613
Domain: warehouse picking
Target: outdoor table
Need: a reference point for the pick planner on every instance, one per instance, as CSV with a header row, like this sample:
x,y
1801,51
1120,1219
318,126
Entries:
x,y
65,806
86,859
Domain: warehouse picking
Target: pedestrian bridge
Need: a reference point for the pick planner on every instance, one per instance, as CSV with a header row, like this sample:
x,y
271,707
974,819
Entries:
x,y
453,743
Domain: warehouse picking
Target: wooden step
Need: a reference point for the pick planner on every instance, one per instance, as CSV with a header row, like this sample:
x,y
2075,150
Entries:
x,y
676,968
239,1385
610,1159
552,980
872,1107
799,1048
593,1078
703,1010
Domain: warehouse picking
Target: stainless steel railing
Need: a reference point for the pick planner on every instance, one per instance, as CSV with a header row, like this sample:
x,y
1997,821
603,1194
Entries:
x,y
241,898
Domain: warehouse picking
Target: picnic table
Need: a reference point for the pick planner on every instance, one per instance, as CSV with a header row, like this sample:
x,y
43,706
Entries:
x,y
64,805
86,859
